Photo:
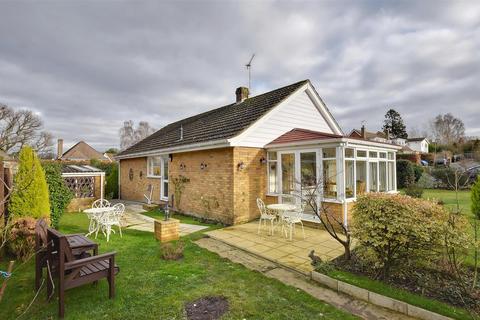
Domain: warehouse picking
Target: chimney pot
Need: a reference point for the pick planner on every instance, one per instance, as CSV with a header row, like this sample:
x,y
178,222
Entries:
x,y
363,132
59,148
241,94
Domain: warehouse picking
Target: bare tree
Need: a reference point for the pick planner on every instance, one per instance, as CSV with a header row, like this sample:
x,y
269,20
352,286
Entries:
x,y
22,127
129,135
447,129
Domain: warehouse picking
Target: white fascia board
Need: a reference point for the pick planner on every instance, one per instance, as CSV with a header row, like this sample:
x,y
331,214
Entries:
x,y
352,142
323,109
83,174
237,140
184,148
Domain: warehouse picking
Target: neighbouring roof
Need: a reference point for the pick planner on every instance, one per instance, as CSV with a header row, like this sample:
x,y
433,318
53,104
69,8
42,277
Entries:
x,y
82,151
298,134
369,134
73,168
221,123
416,139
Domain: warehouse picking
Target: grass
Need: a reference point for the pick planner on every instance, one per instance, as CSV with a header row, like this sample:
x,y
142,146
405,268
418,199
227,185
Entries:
x,y
150,288
449,198
400,294
158,214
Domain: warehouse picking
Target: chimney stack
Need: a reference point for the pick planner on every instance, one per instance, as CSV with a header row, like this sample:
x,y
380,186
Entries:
x,y
59,148
242,94
363,132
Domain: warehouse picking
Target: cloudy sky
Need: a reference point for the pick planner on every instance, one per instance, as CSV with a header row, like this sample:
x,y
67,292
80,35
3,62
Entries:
x,y
86,66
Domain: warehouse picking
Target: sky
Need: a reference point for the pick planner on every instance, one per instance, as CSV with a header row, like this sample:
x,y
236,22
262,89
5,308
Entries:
x,y
86,66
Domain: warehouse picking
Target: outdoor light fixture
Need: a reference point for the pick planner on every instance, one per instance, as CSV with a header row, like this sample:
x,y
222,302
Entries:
x,y
241,165
170,156
182,166
203,165
263,160
167,212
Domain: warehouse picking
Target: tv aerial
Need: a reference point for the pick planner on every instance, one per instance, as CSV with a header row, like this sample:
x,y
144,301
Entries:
x,y
249,66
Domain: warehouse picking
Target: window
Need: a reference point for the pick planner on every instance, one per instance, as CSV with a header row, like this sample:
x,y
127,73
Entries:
x,y
349,153
165,178
383,155
155,167
372,154
382,175
330,178
361,153
390,156
272,172
308,169
329,153
288,173
373,176
391,175
361,167
349,178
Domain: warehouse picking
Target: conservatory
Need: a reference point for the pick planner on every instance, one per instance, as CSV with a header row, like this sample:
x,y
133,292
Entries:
x,y
338,168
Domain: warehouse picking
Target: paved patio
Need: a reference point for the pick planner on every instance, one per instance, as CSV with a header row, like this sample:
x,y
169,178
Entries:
x,y
276,248
134,219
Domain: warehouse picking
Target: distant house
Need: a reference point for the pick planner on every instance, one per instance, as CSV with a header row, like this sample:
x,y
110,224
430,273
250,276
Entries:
x,y
271,146
81,151
418,144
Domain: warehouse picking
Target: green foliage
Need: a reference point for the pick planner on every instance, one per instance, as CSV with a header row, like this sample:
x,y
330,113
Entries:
x,y
446,177
414,191
179,185
418,171
397,230
405,173
393,123
30,196
112,151
60,195
172,251
111,176
111,188
475,196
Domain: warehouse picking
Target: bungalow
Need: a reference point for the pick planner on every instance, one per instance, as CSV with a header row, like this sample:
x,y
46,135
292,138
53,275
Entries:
x,y
215,164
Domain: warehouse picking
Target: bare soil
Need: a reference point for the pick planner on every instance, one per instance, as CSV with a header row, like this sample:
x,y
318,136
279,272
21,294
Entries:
x,y
207,308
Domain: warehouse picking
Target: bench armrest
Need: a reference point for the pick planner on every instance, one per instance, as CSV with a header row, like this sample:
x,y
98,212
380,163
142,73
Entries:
x,y
82,262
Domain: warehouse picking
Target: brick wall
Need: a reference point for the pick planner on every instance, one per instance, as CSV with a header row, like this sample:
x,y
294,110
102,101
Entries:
x,y
209,193
249,182
136,188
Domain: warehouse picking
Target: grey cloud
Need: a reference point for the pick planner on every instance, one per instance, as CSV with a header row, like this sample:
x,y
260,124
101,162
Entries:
x,y
88,66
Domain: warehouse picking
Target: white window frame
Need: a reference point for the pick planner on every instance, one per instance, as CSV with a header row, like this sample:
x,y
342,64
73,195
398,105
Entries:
x,y
164,159
270,193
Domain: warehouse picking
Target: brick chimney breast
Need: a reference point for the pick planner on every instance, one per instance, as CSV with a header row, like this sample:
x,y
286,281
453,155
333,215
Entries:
x,y
241,94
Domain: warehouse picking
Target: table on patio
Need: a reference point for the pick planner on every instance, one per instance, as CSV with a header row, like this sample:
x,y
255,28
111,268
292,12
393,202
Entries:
x,y
280,209
95,214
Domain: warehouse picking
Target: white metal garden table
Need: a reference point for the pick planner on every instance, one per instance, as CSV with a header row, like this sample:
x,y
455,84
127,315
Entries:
x,y
280,209
95,214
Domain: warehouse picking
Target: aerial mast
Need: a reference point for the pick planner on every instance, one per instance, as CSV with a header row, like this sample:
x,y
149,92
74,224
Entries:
x,y
249,65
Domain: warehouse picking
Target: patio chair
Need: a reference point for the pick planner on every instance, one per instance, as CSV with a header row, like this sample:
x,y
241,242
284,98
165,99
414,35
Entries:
x,y
100,203
265,216
112,219
292,218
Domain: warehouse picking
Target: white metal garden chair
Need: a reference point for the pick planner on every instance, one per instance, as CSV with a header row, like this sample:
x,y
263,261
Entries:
x,y
112,218
291,218
99,203
265,216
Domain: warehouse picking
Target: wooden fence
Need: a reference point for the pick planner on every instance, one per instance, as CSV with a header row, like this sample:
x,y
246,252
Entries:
x,y
6,181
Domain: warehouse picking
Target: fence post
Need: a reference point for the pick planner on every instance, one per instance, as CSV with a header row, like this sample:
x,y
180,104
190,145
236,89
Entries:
x,y
2,191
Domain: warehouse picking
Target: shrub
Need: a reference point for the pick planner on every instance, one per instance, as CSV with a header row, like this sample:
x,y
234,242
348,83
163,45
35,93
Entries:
x,y
426,181
475,196
111,188
396,230
170,251
405,173
21,241
60,195
414,191
30,195
417,171
446,177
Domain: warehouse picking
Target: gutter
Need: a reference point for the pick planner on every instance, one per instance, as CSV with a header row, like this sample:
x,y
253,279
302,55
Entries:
x,y
222,143
334,140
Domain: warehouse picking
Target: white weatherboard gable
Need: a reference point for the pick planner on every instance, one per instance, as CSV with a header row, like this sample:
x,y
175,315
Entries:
x,y
303,109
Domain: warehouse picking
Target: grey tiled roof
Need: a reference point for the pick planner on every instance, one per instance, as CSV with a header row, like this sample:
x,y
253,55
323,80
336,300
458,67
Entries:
x,y
222,123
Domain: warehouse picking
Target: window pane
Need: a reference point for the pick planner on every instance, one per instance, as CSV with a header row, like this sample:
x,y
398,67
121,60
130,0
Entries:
x,y
373,176
372,154
165,189
361,177
391,172
330,178
155,166
165,168
383,155
361,153
349,178
329,152
272,177
349,153
382,168
390,156
288,173
308,169
272,155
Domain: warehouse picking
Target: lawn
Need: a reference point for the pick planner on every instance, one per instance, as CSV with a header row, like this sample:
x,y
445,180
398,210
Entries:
x,y
150,288
449,198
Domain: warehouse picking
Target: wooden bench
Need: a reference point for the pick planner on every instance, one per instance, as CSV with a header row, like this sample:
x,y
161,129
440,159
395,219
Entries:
x,y
81,245
73,272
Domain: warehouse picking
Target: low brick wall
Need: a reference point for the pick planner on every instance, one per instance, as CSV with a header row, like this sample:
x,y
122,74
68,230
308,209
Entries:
x,y
375,298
